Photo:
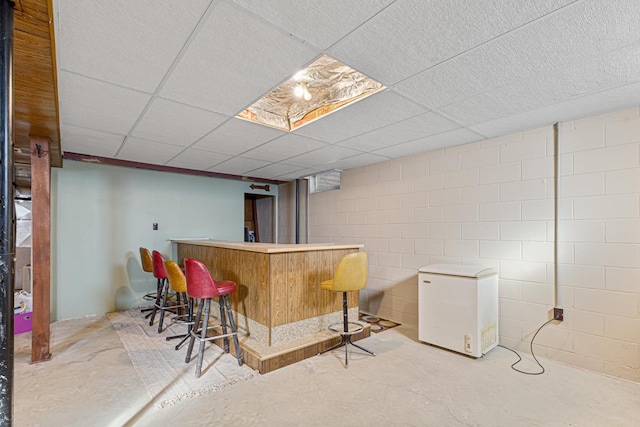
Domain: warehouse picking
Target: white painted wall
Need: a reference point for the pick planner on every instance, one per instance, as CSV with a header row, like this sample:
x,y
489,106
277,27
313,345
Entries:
x,y
102,214
491,203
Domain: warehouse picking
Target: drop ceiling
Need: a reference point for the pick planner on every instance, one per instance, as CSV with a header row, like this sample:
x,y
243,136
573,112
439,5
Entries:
x,y
160,82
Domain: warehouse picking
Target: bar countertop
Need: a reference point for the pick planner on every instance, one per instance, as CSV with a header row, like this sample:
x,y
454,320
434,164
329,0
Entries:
x,y
269,248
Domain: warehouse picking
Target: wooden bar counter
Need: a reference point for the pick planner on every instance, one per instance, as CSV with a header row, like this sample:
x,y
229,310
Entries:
x,y
281,312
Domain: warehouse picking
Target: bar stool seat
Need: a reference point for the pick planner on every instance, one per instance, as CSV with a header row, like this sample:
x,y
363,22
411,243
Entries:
x,y
225,287
200,285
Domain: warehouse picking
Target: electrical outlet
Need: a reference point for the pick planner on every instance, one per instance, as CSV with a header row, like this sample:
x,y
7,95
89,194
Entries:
x,y
155,226
467,343
558,314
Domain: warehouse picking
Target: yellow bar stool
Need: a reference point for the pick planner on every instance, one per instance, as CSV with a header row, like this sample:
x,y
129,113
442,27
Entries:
x,y
178,283
163,297
351,275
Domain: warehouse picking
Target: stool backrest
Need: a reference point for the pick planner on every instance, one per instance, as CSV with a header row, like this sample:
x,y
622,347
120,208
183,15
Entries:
x,y
199,281
177,281
352,273
145,259
158,265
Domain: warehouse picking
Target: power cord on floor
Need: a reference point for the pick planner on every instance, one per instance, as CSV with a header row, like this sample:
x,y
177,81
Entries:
x,y
532,354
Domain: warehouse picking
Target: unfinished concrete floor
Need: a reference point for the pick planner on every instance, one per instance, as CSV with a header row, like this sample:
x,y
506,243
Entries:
x,y
90,381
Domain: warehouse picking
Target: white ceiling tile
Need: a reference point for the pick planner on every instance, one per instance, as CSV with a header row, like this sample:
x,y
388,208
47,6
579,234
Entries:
x,y
420,126
321,22
357,161
297,174
238,166
237,136
93,104
519,122
443,140
546,46
584,106
286,146
89,141
471,111
320,158
463,77
581,31
371,113
131,43
197,159
175,123
611,70
144,151
412,35
235,59
273,170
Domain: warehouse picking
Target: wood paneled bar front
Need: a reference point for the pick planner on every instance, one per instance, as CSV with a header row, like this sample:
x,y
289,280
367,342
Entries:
x,y
281,311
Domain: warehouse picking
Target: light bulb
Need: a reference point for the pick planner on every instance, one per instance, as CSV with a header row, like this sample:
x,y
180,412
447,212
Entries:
x,y
307,95
299,91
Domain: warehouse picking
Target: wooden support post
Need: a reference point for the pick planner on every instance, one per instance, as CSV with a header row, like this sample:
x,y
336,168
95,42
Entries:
x,y
41,239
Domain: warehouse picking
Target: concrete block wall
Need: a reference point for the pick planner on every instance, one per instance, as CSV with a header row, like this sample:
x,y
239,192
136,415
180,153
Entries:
x,y
492,203
599,232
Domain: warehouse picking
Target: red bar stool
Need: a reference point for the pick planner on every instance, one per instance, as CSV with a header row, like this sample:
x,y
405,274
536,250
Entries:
x,y
162,297
163,286
201,286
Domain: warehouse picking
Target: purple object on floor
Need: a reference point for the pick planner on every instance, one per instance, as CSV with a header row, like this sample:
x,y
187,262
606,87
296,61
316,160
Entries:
x,y
21,323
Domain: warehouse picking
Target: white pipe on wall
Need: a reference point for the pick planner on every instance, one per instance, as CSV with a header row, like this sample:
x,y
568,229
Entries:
x,y
556,199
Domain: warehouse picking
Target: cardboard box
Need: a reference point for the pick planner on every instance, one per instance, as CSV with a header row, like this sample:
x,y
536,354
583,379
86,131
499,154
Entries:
x,y
21,323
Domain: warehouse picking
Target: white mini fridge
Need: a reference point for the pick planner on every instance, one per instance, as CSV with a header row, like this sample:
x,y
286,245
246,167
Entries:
x,y
458,307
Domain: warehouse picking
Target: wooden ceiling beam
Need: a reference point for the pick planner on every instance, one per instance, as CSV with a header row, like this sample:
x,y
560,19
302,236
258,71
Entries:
x,y
35,80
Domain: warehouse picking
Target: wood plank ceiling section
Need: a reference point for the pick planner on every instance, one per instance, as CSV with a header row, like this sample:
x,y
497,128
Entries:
x,y
34,78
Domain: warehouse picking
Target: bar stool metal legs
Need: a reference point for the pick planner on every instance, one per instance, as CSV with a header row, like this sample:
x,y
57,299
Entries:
x,y
188,322
162,307
161,286
226,321
194,332
235,332
223,324
203,338
346,333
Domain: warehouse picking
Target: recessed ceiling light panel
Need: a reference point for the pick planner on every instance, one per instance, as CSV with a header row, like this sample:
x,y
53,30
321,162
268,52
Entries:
x,y
323,87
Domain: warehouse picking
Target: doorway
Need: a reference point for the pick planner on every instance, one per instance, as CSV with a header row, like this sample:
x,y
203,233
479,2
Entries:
x,y
259,218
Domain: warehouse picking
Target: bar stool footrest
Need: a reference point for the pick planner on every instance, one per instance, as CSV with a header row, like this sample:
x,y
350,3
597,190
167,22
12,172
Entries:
x,y
182,319
339,328
215,337
150,296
